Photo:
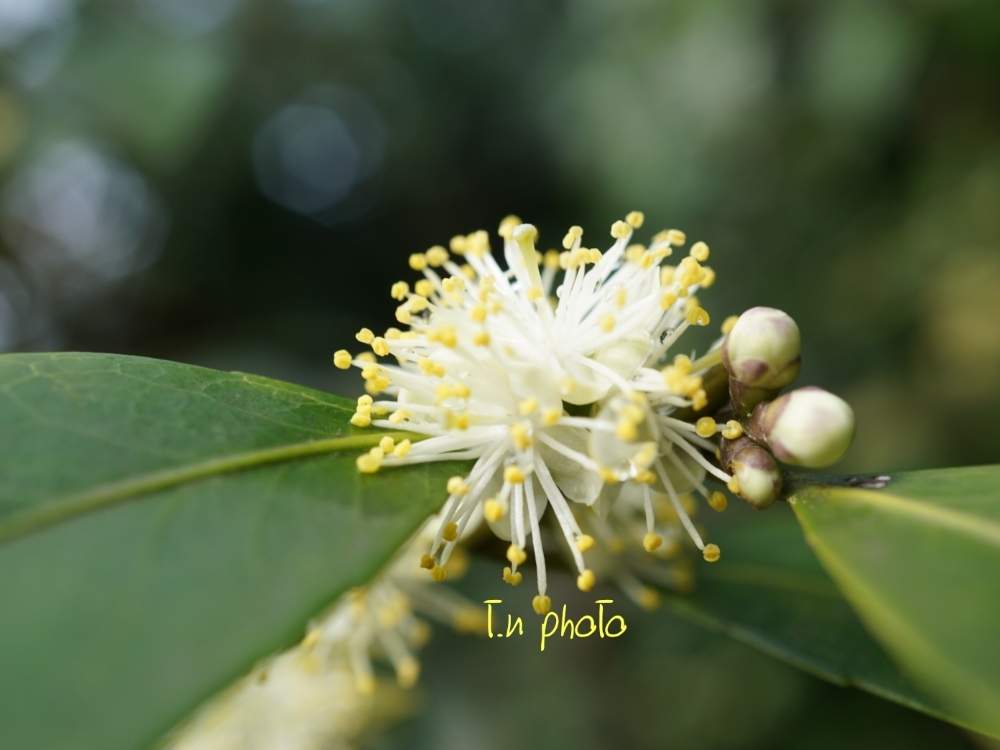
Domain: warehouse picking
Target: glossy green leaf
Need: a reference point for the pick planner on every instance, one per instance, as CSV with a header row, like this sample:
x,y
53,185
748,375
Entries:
x,y
164,526
770,592
920,560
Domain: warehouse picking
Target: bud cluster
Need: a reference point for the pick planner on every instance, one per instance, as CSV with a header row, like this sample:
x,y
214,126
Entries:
x,y
807,427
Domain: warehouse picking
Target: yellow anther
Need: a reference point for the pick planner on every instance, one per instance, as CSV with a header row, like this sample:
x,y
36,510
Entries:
x,y
494,510
387,444
418,261
608,476
458,244
478,313
520,435
699,399
481,338
541,604
551,417
627,430
418,304
437,256
705,427
399,416
403,314
586,580
729,323
399,290
444,335
620,230
608,323
468,620
634,253
717,501
427,562
368,463
365,401
667,275
676,237
535,293
645,456
732,430
459,421
342,359
512,578
402,448
700,252
652,542
365,336
513,475
527,406
516,555
361,419
648,598
707,277
711,553
695,314
634,413
621,297
380,346
457,486
508,225
377,384
573,235
646,476
733,485
635,219
438,573
453,284
667,300
423,288
450,531
407,672
584,542
551,259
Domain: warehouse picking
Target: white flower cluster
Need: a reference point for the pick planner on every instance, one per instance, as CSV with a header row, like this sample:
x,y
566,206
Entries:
x,y
549,375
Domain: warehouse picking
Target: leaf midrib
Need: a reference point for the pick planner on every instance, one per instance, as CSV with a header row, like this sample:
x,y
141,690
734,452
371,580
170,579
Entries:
x,y
106,495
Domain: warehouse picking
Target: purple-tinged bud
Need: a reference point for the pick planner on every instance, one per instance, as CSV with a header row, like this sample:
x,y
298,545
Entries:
x,y
762,354
758,477
808,427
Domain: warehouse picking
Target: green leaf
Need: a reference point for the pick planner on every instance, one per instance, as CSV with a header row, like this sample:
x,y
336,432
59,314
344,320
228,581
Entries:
x,y
770,592
162,527
920,560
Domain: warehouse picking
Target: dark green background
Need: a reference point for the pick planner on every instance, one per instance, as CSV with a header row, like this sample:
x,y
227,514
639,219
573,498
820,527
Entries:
x,y
236,184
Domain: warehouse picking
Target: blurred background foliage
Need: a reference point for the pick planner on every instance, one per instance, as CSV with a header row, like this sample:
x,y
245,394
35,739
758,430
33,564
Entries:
x,y
236,183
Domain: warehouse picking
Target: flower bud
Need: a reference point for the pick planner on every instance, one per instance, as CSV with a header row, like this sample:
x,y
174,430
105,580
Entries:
x,y
808,427
762,354
755,470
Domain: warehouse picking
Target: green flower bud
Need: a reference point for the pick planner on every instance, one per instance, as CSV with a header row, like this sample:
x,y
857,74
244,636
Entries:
x,y
808,427
762,354
755,470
